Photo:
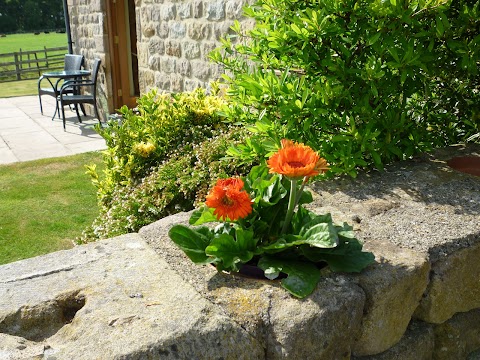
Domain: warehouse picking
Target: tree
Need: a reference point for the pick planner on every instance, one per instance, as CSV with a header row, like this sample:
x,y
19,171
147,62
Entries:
x,y
31,15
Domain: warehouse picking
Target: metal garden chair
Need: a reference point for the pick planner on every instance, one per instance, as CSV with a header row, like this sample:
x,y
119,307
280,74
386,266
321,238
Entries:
x,y
70,93
72,62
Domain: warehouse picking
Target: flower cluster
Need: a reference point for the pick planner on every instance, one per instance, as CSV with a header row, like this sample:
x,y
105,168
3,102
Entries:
x,y
144,149
229,200
262,221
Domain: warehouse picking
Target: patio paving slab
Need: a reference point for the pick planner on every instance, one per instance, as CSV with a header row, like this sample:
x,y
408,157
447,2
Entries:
x,y
26,134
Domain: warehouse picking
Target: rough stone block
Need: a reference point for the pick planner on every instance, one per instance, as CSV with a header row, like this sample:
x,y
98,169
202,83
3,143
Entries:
x,y
215,10
143,54
148,31
191,50
287,327
458,337
417,343
176,83
167,12
101,42
221,29
184,10
200,70
393,287
454,286
111,299
183,67
163,30
173,48
197,9
168,64
154,62
234,9
156,46
208,47
177,29
199,31
162,81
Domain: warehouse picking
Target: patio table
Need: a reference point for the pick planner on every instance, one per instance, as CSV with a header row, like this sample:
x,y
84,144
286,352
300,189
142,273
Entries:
x,y
62,75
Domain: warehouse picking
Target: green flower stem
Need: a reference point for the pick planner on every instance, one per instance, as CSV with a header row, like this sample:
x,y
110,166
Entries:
x,y
300,192
292,201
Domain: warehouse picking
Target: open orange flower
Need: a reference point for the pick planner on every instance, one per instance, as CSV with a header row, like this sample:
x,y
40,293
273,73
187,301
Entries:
x,y
296,160
229,200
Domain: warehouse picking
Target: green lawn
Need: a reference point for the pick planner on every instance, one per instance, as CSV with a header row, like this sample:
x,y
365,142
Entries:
x,y
45,204
27,42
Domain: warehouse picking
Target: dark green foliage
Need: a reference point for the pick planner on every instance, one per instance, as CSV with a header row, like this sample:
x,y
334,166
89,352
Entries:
x,y
364,82
31,15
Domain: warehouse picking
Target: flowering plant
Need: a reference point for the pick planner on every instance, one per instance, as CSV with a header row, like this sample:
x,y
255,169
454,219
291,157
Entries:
x,y
262,220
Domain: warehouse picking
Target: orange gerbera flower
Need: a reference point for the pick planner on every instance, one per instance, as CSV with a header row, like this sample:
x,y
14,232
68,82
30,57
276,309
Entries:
x,y
229,200
296,160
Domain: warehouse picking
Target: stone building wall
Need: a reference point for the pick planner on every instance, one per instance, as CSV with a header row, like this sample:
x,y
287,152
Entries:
x,y
89,34
174,39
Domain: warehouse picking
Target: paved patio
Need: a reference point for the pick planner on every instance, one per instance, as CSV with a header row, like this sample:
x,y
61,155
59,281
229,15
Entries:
x,y
26,134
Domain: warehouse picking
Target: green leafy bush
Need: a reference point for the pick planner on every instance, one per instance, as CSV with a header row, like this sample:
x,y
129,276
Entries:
x,y
160,127
364,82
175,185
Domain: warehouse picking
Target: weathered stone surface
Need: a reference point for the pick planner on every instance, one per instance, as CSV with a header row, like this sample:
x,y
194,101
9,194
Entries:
x,y
394,287
215,10
177,29
191,50
454,286
417,344
475,355
200,70
425,206
288,328
111,299
458,337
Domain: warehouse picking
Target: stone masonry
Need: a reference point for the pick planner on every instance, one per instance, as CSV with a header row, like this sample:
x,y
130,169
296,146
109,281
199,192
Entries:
x,y
137,296
174,39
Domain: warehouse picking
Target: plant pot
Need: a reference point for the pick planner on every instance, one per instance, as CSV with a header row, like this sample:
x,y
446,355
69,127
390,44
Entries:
x,y
466,164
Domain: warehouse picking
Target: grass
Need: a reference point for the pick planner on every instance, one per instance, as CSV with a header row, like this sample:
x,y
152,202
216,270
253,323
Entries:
x,y
18,88
45,205
27,42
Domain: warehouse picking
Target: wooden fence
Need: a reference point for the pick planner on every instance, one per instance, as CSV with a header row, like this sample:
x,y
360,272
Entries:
x,y
24,65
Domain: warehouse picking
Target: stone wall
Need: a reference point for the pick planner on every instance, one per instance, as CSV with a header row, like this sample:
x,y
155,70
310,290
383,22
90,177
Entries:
x,y
174,39
89,36
138,296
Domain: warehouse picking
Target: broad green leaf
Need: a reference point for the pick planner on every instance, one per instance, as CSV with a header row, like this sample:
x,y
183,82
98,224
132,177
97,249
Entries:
x,y
302,277
346,257
374,38
192,242
322,235
245,239
229,251
202,216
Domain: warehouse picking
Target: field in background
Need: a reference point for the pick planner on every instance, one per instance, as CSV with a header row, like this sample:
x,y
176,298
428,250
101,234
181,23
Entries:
x,y
45,205
26,42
